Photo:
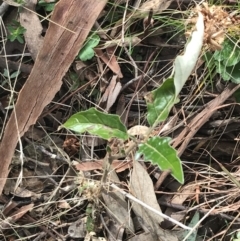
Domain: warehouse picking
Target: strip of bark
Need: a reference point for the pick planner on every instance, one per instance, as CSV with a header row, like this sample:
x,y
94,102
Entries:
x,y
61,44
182,140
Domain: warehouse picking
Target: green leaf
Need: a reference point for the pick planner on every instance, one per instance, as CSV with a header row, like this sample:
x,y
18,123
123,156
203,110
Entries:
x,y
6,73
229,73
158,151
47,6
222,71
234,72
11,38
90,224
237,95
20,39
87,51
229,55
14,74
16,32
97,123
160,102
208,58
192,224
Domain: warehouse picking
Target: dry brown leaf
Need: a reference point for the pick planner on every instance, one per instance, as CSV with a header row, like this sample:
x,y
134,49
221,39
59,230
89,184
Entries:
x,y
63,204
138,130
19,191
112,92
15,216
113,95
128,41
116,205
157,6
108,89
118,166
21,211
110,61
53,61
113,61
30,21
141,187
80,65
184,193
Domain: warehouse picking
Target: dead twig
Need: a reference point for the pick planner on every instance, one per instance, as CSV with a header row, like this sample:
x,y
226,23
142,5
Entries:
x,y
181,142
25,68
160,180
150,208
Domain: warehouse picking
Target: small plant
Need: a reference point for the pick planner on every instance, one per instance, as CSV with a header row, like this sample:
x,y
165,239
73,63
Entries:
x,y
227,61
16,32
87,51
20,2
48,6
12,75
90,221
159,103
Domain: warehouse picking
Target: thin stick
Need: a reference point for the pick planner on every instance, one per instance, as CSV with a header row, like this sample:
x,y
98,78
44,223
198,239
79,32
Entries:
x,y
150,208
201,220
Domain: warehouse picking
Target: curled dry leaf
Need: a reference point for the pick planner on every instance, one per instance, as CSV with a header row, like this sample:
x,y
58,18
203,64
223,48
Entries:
x,y
157,6
113,96
142,187
117,207
79,65
111,92
138,130
110,61
118,166
183,194
63,204
128,41
22,192
6,223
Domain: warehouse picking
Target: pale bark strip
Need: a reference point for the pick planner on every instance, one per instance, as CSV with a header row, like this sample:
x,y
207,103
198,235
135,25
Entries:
x,y
59,49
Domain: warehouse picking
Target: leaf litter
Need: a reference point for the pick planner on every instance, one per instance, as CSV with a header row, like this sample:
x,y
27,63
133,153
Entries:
x,y
55,178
